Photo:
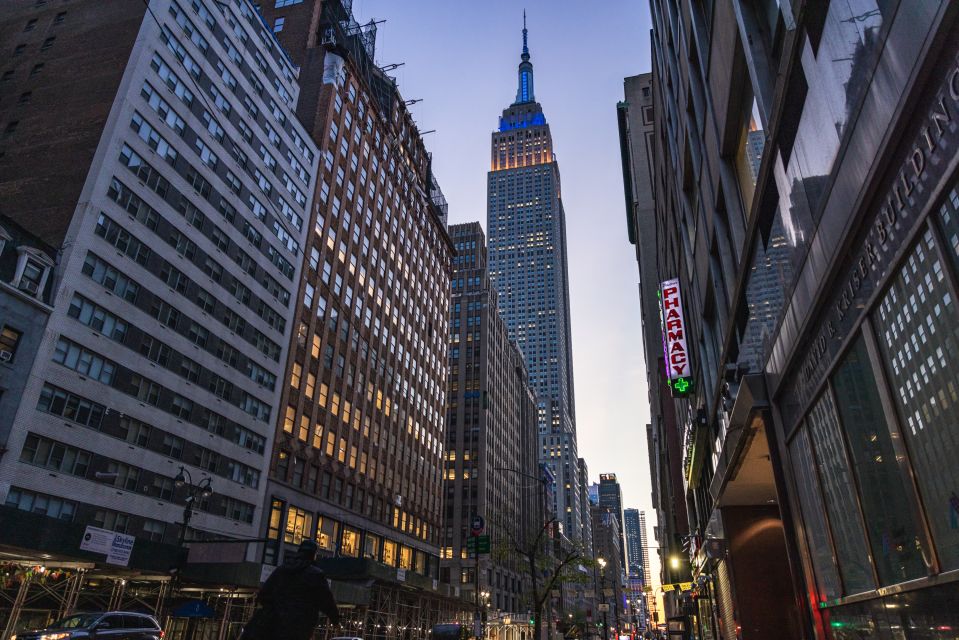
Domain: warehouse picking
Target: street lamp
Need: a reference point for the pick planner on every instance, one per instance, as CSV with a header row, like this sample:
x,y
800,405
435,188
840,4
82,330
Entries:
x,y
202,489
602,572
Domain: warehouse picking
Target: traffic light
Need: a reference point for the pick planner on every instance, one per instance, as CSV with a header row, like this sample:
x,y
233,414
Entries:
x,y
532,619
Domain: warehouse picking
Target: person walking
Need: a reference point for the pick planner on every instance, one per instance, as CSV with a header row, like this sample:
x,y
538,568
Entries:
x,y
291,600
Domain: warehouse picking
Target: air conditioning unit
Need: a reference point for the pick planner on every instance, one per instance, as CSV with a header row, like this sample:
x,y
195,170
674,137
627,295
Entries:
x,y
29,286
6,356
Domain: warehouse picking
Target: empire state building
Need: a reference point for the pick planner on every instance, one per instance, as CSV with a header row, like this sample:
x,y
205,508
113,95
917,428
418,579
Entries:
x,y
527,257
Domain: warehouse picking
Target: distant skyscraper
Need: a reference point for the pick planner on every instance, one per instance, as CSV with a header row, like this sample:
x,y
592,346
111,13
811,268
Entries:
x,y
633,544
527,254
610,497
644,546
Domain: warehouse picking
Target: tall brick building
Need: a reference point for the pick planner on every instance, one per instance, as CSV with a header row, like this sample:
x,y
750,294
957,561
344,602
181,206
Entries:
x,y
359,457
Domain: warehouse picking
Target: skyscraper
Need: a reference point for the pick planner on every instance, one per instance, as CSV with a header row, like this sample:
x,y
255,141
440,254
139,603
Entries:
x,y
611,497
528,265
633,543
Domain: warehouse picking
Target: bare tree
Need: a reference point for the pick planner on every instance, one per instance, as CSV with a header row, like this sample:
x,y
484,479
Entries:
x,y
548,568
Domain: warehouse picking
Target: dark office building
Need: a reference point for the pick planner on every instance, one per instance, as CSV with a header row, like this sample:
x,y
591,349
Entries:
x,y
806,224
491,435
611,498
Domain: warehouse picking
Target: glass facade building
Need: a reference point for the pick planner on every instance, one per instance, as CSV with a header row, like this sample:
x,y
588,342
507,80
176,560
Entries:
x,y
804,158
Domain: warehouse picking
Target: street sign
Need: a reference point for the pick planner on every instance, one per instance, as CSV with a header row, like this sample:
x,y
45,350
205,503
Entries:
x,y
603,608
477,524
478,541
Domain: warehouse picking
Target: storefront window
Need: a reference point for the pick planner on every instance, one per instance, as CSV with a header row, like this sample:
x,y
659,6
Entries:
x,y
371,547
406,558
817,537
896,548
326,530
350,545
299,525
839,495
389,552
919,339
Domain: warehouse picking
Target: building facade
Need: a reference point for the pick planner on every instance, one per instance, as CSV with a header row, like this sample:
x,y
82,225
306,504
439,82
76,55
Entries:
x,y
359,459
177,257
528,265
632,534
611,498
608,571
804,182
491,435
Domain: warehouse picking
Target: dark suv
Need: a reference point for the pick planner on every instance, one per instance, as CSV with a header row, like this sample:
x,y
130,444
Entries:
x,y
112,625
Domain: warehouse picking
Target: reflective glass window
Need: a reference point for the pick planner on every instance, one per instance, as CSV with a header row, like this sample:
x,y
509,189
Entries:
x,y
919,340
839,494
893,532
814,520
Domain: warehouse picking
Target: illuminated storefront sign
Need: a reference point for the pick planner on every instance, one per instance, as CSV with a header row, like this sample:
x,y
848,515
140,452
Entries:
x,y
675,351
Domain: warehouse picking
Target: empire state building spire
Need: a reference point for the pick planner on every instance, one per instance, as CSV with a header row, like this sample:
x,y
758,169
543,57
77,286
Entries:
x,y
524,92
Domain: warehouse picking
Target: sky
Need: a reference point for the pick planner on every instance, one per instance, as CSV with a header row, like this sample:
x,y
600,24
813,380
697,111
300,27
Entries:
x,y
460,58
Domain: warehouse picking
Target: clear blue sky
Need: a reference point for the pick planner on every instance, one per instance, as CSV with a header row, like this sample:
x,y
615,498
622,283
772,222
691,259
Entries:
x,y
461,58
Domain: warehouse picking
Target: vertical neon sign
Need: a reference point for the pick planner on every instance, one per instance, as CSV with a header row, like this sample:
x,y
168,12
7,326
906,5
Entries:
x,y
675,350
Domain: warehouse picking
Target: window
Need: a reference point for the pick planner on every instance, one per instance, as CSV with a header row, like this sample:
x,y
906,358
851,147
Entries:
x,y
278,25
19,49
11,127
31,24
48,43
299,525
32,271
37,68
9,339
350,545
40,503
286,3
326,529
84,362
60,17
847,529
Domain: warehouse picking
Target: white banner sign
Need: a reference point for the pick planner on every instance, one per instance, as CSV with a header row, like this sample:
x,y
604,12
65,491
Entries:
x,y
120,549
96,540
674,330
116,546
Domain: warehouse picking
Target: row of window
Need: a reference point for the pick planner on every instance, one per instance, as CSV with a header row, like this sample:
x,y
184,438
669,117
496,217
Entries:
x,y
91,414
292,525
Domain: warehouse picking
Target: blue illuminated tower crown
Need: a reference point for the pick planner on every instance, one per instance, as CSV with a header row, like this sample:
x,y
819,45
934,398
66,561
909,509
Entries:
x,y
524,92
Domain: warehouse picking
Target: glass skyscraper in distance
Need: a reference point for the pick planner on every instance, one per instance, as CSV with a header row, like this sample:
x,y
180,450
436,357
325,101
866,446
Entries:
x,y
528,265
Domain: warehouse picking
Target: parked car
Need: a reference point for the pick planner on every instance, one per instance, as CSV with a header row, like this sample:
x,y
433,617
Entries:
x,y
110,625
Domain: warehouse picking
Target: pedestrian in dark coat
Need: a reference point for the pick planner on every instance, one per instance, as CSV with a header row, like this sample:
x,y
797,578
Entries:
x,y
291,600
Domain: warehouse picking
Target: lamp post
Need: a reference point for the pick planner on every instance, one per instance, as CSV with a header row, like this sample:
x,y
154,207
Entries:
x,y
202,489
602,574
